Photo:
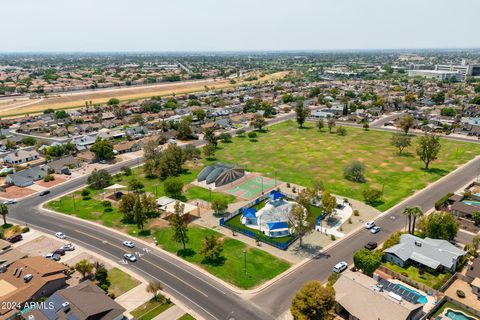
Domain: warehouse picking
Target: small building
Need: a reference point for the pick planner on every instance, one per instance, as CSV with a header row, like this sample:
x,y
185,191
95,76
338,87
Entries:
x,y
21,156
127,146
26,177
359,298
86,156
63,165
85,301
430,253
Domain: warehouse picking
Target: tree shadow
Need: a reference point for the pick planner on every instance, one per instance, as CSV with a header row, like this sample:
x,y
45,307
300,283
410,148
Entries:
x,y
220,261
376,203
253,140
185,253
180,197
406,154
437,171
261,130
308,248
145,233
305,128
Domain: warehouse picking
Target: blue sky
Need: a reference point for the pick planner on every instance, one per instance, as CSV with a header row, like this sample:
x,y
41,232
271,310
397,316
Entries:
x,y
237,25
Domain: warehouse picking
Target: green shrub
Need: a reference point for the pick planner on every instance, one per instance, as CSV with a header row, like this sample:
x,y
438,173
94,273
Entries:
x,y
106,204
332,237
85,192
48,178
25,229
460,294
86,198
440,202
356,213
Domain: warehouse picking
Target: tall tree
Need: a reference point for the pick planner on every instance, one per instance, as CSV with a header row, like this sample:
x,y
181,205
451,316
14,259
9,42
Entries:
x,y
439,225
4,212
329,203
367,261
258,122
401,141
211,248
331,124
139,214
184,131
416,213
179,225
302,112
405,123
103,150
99,179
313,302
428,148
209,136
320,124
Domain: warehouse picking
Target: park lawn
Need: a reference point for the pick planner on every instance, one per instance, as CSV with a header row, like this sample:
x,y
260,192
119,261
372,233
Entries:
x,y
303,155
448,304
186,316
236,222
151,309
93,210
433,280
195,192
261,266
120,282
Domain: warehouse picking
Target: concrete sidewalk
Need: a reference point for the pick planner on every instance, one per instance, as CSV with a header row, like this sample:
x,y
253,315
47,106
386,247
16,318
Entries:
x,y
172,313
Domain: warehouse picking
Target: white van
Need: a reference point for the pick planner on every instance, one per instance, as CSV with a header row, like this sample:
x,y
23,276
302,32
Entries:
x,y
339,267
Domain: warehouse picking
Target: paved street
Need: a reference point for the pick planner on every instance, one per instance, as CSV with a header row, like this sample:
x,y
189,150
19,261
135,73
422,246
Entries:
x,y
203,294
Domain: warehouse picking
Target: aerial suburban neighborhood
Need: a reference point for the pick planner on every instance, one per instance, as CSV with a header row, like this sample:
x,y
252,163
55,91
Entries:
x,y
174,168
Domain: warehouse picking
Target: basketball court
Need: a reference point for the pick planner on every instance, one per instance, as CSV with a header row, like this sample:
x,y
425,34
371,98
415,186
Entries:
x,y
251,187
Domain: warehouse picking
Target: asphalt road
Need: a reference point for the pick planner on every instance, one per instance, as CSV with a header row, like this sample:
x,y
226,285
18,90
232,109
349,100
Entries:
x,y
203,294
276,298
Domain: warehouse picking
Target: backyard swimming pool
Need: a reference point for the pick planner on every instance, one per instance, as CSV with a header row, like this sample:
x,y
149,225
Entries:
x,y
457,315
472,203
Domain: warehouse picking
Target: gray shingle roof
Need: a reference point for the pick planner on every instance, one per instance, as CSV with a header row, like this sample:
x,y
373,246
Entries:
x,y
430,252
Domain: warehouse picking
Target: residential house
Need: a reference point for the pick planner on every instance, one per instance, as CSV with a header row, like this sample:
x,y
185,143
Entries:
x,y
86,156
8,255
21,156
431,253
127,146
85,301
359,298
83,142
27,280
26,177
63,165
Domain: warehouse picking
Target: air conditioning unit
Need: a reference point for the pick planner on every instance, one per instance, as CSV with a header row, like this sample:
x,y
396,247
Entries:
x,y
66,306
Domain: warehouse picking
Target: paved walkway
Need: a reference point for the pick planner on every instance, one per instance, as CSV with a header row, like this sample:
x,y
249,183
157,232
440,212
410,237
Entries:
x,y
172,313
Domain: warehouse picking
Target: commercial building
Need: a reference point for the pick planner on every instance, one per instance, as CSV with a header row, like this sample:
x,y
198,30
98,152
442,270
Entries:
x,y
439,75
465,69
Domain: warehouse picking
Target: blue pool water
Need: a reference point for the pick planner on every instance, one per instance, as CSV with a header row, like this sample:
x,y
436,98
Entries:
x,y
472,203
457,315
422,299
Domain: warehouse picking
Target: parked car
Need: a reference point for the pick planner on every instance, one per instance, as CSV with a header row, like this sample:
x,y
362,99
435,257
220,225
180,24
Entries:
x,y
59,251
15,239
339,267
129,244
371,245
369,224
60,235
53,256
44,193
375,229
130,257
68,247
11,201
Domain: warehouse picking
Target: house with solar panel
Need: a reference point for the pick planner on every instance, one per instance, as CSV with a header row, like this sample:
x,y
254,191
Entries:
x,y
220,174
273,219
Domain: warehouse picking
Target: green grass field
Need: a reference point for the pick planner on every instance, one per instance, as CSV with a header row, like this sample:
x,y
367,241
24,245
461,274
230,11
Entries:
x,y
151,309
303,155
204,194
261,266
120,282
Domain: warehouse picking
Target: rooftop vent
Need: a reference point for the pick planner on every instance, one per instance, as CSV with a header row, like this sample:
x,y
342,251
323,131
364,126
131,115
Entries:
x,y
66,306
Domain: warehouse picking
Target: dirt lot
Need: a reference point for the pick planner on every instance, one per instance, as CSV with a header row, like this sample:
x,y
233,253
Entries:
x,y
14,192
58,180
77,99
40,246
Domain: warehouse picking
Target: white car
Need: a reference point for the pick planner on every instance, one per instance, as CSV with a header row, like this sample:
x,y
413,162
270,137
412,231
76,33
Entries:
x,y
68,247
11,201
60,235
130,257
339,267
375,229
129,244
369,224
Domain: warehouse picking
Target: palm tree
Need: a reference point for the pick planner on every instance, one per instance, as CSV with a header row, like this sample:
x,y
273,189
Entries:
x,y
408,211
416,213
154,287
4,212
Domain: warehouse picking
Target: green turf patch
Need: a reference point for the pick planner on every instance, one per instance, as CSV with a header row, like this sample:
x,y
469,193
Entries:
x,y
151,309
120,282
204,194
302,156
433,280
261,266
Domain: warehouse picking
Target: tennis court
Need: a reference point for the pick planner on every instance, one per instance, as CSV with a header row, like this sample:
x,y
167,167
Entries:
x,y
252,187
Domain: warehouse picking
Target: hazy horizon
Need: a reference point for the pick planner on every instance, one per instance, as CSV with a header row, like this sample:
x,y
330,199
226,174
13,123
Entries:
x,y
212,26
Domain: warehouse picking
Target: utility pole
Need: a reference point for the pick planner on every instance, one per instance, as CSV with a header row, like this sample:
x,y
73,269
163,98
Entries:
x,y
245,260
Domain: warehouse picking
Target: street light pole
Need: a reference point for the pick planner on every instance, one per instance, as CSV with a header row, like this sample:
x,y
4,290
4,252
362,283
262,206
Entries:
x,y
73,198
245,260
